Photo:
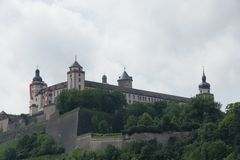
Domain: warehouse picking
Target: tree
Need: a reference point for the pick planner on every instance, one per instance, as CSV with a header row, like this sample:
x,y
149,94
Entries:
x,y
104,127
145,120
206,150
112,153
131,122
10,154
203,109
230,125
94,99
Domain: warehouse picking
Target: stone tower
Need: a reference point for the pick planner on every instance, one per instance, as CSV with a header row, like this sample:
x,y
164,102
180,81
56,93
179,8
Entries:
x,y
125,80
36,99
76,77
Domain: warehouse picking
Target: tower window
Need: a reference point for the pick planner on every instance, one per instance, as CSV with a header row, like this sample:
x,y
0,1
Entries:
x,y
79,79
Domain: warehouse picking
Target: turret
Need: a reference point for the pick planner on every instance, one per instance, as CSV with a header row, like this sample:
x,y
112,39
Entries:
x,y
104,79
204,87
36,99
125,80
76,76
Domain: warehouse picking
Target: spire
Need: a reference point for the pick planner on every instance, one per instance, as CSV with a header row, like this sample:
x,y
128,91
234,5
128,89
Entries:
x,y
204,76
76,64
125,76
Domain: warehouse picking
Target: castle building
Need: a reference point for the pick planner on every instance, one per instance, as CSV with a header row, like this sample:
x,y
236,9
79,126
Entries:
x,y
43,97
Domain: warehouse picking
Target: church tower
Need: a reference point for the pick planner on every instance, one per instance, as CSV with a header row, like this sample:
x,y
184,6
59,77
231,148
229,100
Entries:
x,y
125,80
204,87
76,76
36,99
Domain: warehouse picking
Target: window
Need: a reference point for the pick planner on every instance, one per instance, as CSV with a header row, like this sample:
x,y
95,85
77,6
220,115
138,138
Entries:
x,y
79,79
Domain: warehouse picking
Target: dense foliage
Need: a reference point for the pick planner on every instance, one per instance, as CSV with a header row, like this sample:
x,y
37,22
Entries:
x,y
213,135
32,146
95,99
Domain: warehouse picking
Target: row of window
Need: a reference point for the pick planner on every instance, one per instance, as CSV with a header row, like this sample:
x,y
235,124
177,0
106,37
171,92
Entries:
x,y
131,98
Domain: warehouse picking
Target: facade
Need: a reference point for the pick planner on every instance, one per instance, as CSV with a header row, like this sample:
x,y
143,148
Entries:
x,y
42,96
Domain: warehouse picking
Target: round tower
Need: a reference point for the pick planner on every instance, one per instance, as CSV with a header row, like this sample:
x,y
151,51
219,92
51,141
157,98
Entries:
x,y
125,80
36,98
76,76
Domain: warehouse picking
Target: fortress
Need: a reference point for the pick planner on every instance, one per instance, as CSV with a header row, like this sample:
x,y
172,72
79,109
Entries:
x,y
43,116
43,97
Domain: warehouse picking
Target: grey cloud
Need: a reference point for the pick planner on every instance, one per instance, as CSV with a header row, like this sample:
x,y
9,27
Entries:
x,y
163,44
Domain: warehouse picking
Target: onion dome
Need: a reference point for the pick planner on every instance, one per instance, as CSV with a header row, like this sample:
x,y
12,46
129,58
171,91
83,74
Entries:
x,y
37,76
204,84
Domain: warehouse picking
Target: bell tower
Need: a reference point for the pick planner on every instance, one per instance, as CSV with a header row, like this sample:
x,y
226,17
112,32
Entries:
x,y
36,99
76,76
204,87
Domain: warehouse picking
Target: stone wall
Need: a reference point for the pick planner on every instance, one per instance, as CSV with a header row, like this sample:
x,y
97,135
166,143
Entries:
x,y
21,132
89,142
64,129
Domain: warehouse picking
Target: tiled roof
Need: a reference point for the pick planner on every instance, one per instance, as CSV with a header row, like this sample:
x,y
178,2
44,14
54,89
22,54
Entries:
x,y
135,91
139,92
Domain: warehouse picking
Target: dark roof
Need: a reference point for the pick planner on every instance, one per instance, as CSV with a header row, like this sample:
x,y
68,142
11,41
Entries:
x,y
76,64
204,84
125,76
3,115
92,84
58,86
135,91
104,77
37,76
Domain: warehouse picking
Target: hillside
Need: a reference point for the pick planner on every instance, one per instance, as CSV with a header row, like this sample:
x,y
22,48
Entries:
x,y
213,134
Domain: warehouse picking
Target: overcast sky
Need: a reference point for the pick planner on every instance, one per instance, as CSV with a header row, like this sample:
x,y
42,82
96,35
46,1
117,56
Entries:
x,y
163,45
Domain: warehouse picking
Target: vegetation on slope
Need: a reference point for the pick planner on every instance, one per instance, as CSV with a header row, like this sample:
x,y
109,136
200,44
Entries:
x,y
32,146
214,134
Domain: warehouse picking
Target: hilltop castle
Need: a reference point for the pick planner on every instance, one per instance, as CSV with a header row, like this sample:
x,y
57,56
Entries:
x,y
42,97
44,118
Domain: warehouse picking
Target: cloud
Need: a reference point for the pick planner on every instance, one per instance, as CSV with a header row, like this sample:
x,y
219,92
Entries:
x,y
163,44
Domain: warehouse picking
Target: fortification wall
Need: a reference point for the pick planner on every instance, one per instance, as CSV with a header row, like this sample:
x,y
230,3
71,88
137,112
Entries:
x,y
64,129
21,132
89,142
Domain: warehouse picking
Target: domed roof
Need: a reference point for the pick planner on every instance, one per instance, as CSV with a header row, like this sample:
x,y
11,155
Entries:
x,y
125,76
37,76
104,77
204,84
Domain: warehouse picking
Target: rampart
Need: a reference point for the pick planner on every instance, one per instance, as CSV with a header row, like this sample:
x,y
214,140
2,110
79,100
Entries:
x,y
21,132
64,129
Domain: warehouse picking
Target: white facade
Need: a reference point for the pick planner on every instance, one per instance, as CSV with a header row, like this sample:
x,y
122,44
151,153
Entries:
x,y
42,96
